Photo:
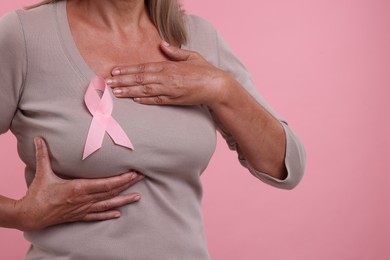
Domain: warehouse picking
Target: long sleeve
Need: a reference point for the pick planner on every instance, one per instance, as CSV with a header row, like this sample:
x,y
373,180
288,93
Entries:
x,y
204,39
295,154
13,66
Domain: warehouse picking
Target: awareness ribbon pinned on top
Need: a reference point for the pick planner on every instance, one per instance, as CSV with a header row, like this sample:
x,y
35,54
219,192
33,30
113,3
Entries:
x,y
102,121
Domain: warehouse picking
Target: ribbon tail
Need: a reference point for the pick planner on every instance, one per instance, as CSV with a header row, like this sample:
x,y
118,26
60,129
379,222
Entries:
x,y
117,134
102,121
95,138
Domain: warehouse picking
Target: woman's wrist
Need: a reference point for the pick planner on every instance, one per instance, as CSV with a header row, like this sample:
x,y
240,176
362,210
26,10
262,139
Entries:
x,y
224,89
21,220
10,214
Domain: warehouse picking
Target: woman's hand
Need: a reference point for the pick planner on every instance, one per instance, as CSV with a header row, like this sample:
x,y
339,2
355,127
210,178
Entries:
x,y
51,200
187,79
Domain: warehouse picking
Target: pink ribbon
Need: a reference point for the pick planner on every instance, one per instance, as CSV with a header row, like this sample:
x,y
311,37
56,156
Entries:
x,y
102,121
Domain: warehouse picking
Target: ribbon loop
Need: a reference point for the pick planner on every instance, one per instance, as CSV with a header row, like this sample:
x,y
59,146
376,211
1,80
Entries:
x,y
102,120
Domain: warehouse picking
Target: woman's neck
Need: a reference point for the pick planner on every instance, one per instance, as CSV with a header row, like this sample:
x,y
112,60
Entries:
x,y
114,15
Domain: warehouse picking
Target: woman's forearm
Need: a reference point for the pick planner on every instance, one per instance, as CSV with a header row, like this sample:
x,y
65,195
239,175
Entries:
x,y
8,215
259,135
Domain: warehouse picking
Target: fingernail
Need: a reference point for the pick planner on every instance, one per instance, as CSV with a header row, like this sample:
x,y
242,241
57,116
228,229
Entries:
x,y
116,72
138,197
117,214
109,81
133,176
166,44
137,99
128,174
37,141
117,91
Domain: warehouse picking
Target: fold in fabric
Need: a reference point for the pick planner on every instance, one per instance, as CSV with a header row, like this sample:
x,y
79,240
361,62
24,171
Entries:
x,y
102,121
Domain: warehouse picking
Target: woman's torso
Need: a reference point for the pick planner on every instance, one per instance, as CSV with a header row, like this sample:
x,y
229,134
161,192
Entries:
x,y
173,145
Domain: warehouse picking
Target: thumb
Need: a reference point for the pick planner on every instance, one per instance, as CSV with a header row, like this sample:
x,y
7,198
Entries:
x,y
174,53
43,165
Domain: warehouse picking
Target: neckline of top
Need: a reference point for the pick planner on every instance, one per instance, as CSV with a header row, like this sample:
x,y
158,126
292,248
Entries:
x,y
69,44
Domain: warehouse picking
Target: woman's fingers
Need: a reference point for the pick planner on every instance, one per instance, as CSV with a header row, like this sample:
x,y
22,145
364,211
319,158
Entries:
x,y
101,216
104,184
156,100
104,210
113,193
148,90
91,191
186,79
138,68
115,202
135,79
172,52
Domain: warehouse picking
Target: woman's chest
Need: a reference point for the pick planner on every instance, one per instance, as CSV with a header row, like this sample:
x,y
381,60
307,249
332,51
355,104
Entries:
x,y
166,139
109,50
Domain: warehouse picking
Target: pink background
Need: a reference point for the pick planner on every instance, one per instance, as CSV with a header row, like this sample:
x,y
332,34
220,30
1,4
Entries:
x,y
324,66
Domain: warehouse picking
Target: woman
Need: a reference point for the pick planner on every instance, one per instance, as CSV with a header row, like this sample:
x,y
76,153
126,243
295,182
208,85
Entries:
x,y
143,134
